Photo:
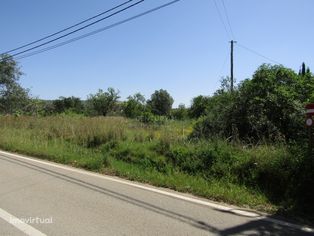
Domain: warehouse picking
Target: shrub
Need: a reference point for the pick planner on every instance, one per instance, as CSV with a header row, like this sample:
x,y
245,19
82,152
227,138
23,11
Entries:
x,y
68,104
180,113
134,106
268,107
150,119
140,155
199,106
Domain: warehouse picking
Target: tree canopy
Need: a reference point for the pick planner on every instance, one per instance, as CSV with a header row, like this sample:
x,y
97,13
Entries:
x,y
270,106
134,106
13,98
160,102
102,102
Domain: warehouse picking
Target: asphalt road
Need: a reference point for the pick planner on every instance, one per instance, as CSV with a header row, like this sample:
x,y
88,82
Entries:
x,y
43,198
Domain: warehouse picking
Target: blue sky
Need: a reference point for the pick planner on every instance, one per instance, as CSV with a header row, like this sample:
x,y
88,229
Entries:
x,y
183,48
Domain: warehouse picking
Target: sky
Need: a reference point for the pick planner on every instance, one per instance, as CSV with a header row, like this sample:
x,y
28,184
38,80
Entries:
x,y
183,48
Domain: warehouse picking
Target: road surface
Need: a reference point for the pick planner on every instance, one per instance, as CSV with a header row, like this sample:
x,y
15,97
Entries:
x,y
44,198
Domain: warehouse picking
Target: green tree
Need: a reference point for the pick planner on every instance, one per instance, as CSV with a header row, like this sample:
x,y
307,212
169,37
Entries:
x,y
267,107
219,117
225,85
160,102
303,70
134,106
35,106
272,103
199,106
13,98
72,104
102,102
180,113
305,86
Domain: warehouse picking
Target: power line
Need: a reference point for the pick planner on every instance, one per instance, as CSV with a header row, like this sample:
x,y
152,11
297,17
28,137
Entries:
x,y
257,53
74,31
221,19
98,31
68,28
223,64
227,17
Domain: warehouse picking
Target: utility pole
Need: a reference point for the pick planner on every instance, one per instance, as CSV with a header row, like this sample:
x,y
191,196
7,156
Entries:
x,y
231,64
309,123
233,127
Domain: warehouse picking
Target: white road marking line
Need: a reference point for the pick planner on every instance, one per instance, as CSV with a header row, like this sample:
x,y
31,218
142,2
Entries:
x,y
17,223
162,192
309,111
244,213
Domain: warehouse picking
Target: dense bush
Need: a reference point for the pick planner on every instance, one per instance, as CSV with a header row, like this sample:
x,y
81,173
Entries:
x,y
102,103
199,106
268,107
160,103
151,119
301,186
269,169
135,106
180,113
136,154
71,104
219,119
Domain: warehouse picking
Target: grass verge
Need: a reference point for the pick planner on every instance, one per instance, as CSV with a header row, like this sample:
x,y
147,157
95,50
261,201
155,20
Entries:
x,y
148,161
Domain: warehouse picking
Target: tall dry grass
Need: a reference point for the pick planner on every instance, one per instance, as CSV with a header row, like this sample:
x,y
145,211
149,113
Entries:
x,y
161,155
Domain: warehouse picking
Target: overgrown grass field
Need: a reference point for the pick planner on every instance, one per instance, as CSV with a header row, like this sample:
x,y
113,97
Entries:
x,y
258,177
